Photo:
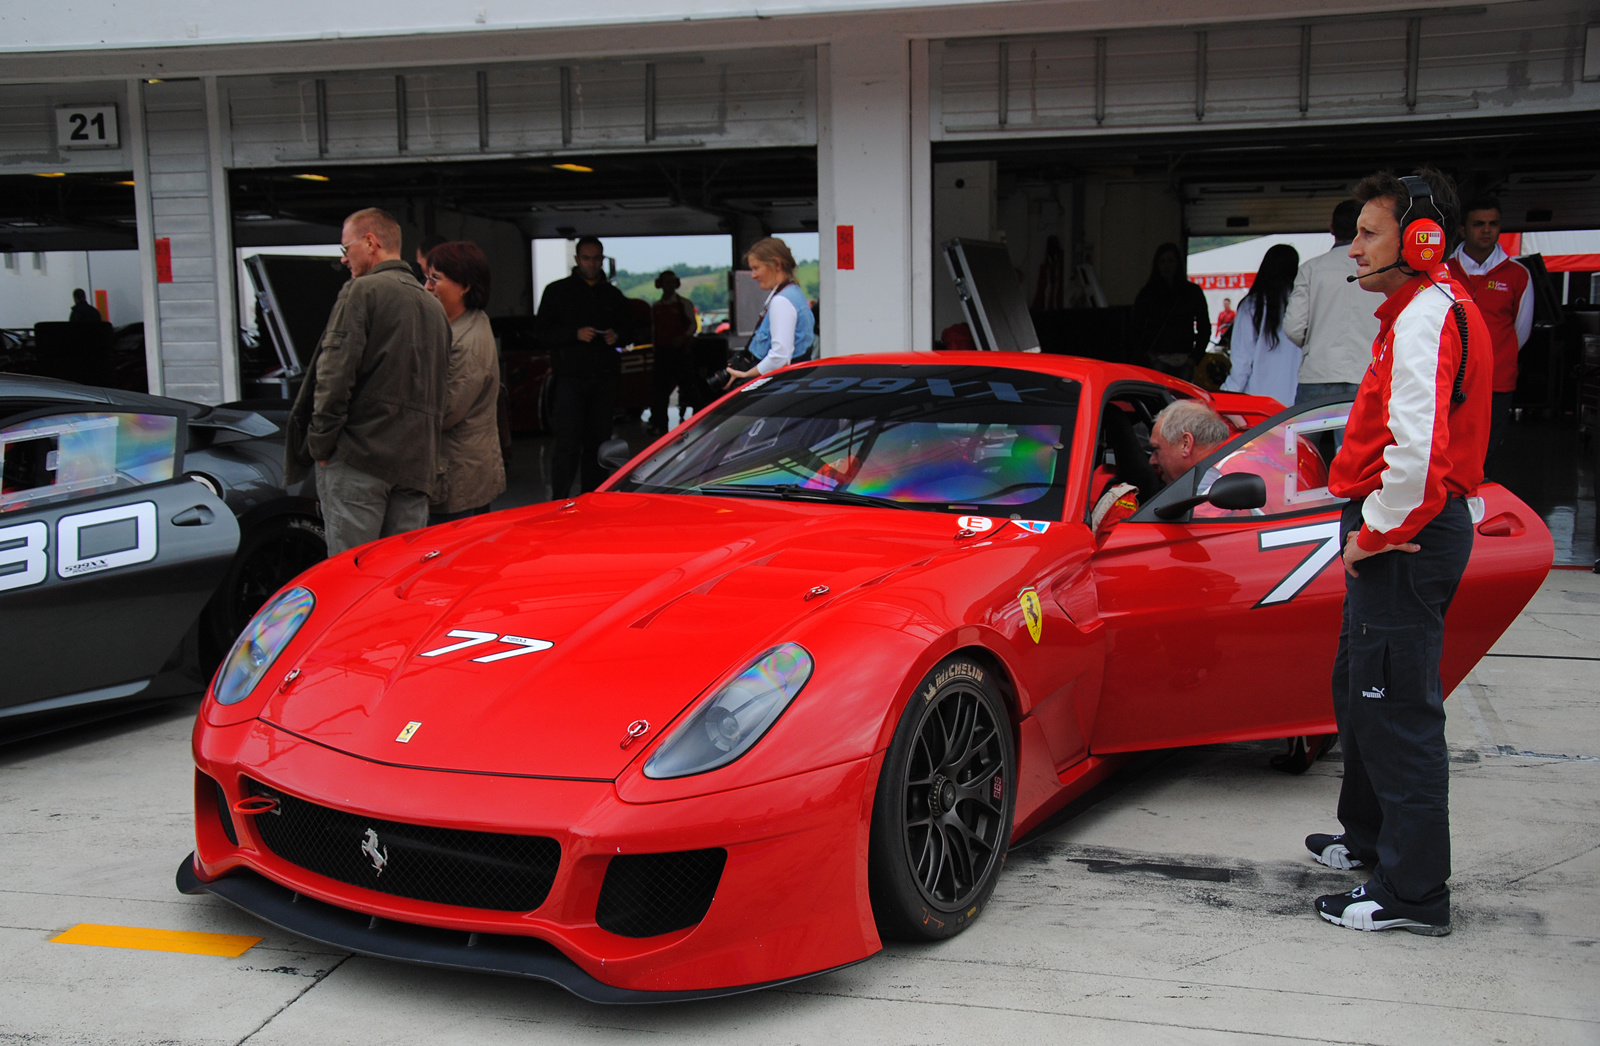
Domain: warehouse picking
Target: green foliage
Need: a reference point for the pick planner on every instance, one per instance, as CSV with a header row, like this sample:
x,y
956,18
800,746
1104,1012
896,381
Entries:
x,y
705,285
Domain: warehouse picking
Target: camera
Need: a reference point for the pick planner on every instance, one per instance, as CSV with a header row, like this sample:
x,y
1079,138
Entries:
x,y
717,380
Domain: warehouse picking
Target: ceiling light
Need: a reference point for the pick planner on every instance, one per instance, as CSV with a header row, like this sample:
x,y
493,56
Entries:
x,y
21,223
130,183
311,177
51,174
577,168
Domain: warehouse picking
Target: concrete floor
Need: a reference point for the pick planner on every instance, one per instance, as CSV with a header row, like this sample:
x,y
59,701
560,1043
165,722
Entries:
x,y
1174,907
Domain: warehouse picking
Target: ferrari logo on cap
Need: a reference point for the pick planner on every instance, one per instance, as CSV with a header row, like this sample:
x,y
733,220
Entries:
x,y
405,735
1032,613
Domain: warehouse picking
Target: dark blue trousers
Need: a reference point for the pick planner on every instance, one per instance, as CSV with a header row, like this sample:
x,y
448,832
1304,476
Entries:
x,y
1389,703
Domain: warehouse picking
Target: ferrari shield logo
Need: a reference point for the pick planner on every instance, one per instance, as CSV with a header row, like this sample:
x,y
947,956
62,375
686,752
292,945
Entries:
x,y
405,735
1032,613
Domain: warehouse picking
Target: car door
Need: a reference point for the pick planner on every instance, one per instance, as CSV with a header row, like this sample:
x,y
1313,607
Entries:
x,y
1222,625
107,554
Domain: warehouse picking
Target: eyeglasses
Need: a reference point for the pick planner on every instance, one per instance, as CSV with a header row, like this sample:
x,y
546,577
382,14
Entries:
x,y
432,278
344,248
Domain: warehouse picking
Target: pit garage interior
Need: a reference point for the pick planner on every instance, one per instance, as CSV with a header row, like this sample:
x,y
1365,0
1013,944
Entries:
x,y
1081,151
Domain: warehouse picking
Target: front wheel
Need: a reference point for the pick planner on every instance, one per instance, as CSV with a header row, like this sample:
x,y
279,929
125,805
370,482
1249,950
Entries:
x,y
941,818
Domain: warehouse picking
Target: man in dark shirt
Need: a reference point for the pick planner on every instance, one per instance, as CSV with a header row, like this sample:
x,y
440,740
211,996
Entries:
x,y
585,321
82,311
673,320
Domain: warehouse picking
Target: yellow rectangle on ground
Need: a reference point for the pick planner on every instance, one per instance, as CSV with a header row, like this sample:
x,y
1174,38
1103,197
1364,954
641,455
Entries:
x,y
229,945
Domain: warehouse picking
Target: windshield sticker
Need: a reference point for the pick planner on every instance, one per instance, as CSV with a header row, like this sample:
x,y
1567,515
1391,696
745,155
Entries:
x,y
976,524
942,388
1032,612
1032,526
752,386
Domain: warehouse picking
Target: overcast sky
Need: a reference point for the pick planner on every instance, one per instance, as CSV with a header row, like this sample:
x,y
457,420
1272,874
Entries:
x,y
654,253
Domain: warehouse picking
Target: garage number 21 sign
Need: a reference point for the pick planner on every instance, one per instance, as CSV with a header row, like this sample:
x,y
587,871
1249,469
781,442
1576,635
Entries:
x,y
86,127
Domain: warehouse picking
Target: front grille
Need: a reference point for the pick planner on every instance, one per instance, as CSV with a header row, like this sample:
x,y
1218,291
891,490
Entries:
x,y
648,894
510,873
224,814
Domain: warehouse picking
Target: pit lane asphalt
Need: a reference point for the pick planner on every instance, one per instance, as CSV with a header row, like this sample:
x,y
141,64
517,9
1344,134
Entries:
x,y
1174,908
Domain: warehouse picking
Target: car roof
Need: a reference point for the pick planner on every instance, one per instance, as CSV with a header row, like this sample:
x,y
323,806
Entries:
x,y
1098,373
35,387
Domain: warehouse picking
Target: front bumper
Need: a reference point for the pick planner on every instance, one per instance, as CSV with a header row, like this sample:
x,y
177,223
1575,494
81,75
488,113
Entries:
x,y
426,946
791,902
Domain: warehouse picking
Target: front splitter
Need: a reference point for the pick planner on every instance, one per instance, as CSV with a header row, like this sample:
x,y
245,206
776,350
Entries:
x,y
504,954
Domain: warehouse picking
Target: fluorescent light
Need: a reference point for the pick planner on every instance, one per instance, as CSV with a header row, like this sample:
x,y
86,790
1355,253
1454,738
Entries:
x,y
577,168
51,174
311,177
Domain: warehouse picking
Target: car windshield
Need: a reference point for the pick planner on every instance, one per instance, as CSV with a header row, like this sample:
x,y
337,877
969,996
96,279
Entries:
x,y
937,437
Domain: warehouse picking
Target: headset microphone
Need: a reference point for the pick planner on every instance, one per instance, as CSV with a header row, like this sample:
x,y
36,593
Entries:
x,y
1374,272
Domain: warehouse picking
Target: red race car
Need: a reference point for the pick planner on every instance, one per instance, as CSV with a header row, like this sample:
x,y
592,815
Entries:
x,y
790,683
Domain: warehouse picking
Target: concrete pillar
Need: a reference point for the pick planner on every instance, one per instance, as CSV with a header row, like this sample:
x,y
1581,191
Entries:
x,y
182,198
873,175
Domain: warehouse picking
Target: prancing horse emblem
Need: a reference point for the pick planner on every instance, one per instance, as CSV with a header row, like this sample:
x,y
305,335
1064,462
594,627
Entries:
x,y
378,855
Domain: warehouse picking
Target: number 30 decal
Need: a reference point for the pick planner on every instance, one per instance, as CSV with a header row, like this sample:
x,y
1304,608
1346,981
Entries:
x,y
1325,538
81,546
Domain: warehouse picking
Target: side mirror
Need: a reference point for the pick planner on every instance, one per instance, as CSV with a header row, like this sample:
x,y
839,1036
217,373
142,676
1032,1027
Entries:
x,y
614,454
1236,490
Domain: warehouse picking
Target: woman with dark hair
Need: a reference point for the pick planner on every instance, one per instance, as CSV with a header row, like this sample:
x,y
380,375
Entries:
x,y
1171,323
474,470
1265,362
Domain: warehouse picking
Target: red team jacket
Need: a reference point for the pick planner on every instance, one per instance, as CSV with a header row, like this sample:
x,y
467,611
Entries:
x,y
1407,447
1504,294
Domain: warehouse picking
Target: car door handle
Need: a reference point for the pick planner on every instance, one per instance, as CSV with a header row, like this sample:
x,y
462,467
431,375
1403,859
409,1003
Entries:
x,y
198,516
1504,525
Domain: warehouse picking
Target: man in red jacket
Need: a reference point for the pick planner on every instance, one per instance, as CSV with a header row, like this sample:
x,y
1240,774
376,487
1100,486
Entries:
x,y
1412,458
1503,289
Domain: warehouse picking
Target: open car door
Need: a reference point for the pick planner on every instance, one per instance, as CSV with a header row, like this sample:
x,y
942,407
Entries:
x,y
1236,611
1223,623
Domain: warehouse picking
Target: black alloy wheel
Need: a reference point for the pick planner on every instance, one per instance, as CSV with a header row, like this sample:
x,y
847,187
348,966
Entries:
x,y
943,811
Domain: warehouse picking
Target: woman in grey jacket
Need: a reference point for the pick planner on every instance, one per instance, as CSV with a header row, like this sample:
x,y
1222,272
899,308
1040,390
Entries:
x,y
474,471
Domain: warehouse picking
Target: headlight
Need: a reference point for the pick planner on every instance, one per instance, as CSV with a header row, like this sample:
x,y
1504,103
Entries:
x,y
260,644
733,719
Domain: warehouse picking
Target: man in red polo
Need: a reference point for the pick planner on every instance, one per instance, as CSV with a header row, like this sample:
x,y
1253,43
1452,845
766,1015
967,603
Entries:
x,y
1412,458
1503,289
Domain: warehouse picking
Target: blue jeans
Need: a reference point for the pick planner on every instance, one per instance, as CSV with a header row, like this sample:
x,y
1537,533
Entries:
x,y
1317,390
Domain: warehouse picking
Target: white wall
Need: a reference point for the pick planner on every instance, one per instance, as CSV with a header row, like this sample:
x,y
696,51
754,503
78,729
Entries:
x,y
30,295
162,23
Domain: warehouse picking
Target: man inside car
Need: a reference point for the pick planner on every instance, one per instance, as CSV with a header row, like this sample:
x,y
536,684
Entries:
x,y
1183,434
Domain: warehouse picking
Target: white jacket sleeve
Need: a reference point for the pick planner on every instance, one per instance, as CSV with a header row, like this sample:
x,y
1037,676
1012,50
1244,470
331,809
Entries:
x,y
781,320
1525,313
1297,314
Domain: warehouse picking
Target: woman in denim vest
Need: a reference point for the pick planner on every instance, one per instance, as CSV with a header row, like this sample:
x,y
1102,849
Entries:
x,y
786,332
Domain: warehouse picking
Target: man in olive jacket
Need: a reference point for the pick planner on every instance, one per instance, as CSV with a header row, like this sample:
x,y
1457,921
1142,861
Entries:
x,y
370,412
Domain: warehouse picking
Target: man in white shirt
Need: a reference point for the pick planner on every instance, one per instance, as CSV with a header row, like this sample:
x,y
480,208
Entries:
x,y
1331,318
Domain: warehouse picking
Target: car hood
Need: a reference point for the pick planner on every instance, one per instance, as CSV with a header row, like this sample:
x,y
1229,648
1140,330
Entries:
x,y
637,604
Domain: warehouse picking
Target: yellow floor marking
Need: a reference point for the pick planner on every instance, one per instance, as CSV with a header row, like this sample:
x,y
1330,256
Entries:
x,y
229,945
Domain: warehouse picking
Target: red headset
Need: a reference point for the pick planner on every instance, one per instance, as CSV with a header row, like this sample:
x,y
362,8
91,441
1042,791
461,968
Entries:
x,y
1421,239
